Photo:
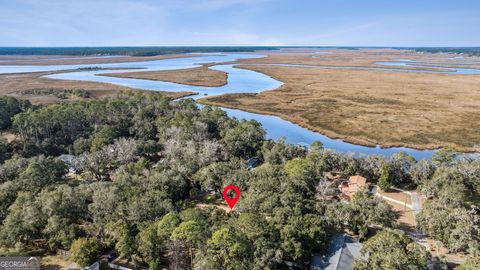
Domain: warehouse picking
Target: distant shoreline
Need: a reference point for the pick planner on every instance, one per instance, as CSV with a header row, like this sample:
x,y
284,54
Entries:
x,y
162,50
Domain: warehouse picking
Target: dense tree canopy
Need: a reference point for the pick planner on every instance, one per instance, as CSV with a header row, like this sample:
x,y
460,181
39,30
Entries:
x,y
385,181
392,249
9,107
472,263
364,211
142,175
5,150
85,251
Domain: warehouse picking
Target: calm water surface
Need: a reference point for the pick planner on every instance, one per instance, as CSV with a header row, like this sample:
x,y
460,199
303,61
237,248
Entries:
x,y
239,81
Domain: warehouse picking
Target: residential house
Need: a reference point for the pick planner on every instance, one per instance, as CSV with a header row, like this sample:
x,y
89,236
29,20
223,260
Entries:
x,y
342,253
355,183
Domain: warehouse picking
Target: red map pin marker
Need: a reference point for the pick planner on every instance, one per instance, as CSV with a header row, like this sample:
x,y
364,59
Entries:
x,y
231,201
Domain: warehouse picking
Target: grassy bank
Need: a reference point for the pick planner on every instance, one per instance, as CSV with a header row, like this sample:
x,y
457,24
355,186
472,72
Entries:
x,y
387,108
200,76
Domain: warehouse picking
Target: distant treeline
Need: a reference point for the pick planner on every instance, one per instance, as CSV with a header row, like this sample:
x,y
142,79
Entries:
x,y
151,51
146,51
459,50
131,51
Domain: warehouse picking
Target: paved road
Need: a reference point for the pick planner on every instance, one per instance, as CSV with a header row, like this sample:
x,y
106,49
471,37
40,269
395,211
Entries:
x,y
416,205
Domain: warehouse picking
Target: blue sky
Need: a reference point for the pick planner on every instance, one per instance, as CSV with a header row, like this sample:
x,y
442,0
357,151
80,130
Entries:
x,y
239,22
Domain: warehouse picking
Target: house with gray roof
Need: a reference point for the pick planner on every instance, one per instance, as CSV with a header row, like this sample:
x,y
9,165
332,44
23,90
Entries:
x,y
342,252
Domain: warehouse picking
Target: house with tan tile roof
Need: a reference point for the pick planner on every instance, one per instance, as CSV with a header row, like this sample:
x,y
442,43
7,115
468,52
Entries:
x,y
355,183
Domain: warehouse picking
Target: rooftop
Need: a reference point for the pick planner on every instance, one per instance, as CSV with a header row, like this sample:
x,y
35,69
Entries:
x,y
342,252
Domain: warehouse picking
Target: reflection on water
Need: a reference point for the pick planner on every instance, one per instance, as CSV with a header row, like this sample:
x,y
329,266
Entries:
x,y
238,81
293,133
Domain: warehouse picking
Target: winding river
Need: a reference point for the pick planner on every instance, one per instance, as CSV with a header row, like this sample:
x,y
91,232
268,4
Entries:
x,y
239,81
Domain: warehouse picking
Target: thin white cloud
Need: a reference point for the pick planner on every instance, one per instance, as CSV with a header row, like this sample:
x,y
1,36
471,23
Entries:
x,y
235,22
